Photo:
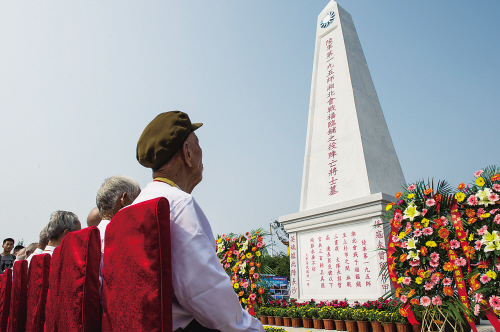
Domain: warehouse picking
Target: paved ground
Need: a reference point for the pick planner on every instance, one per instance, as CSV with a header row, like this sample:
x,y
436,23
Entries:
x,y
484,327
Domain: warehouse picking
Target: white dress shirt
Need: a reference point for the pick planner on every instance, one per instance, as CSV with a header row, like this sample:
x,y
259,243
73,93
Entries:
x,y
37,251
202,289
49,250
102,229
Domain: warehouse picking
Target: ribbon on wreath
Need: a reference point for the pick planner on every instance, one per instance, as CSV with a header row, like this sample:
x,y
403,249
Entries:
x,y
391,265
491,317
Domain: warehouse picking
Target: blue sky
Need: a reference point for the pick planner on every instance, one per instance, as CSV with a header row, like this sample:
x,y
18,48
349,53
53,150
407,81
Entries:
x,y
80,80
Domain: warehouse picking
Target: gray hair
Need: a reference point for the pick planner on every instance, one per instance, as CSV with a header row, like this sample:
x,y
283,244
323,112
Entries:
x,y
111,191
30,249
59,222
21,255
43,236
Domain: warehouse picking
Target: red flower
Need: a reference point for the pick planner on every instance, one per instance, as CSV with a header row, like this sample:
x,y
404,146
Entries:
x,y
495,177
398,195
448,290
461,186
261,291
443,233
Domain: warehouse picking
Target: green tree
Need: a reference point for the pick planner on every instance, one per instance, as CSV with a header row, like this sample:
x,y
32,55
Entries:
x,y
278,264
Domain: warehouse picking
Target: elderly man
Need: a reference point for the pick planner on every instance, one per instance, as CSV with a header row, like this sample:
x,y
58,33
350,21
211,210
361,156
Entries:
x,y
94,219
60,224
43,240
25,253
169,146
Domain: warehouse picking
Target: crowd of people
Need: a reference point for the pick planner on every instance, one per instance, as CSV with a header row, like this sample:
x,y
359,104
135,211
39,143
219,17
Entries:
x,y
169,146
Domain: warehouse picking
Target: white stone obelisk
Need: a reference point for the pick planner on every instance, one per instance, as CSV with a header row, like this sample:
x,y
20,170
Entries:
x,y
351,171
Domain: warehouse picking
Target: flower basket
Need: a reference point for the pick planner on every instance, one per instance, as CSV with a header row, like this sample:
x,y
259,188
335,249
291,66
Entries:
x,y
329,324
263,320
377,327
416,328
318,323
307,322
279,321
339,325
389,327
270,320
287,321
364,326
296,322
351,325
403,327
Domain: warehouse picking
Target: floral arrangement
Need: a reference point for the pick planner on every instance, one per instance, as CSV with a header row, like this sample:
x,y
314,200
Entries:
x,y
274,329
420,262
240,258
479,204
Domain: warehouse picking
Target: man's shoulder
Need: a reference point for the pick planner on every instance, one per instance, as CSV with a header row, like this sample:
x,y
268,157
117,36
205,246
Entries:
x,y
159,189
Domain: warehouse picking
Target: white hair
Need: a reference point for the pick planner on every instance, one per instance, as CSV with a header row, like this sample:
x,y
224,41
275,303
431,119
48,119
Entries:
x,y
59,222
111,191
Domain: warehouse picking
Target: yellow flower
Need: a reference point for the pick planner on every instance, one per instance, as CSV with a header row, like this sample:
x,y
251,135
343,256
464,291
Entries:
x,y
491,274
236,285
219,240
418,280
400,280
401,235
459,197
431,244
257,253
388,206
486,215
410,196
480,181
249,255
229,259
243,300
425,222
471,237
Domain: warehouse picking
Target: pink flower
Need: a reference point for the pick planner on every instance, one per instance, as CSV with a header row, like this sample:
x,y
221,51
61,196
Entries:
x,y
430,202
435,279
444,220
244,284
223,235
395,238
436,300
454,244
497,218
259,245
428,231
484,278
478,297
472,200
493,197
435,256
256,276
404,244
407,280
425,301
496,187
480,212
495,302
478,173
234,239
226,265
235,252
424,211
447,281
482,230
398,217
403,298
247,234
417,233
428,286
412,187
414,263
460,261
494,211
434,263
478,245
477,307
253,296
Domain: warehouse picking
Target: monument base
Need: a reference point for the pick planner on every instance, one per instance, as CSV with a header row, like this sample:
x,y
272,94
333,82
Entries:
x,y
336,248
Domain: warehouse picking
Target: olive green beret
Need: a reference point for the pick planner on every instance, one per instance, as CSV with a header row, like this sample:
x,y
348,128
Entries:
x,y
163,137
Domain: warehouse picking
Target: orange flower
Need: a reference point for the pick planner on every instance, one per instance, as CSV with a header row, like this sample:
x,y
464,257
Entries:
x,y
472,220
254,286
261,291
259,239
448,290
398,292
228,238
443,233
470,213
444,246
424,251
252,263
258,264
402,258
428,191
403,312
415,302
448,267
398,195
411,293
413,270
495,177
421,273
417,225
254,249
241,293
461,186
438,197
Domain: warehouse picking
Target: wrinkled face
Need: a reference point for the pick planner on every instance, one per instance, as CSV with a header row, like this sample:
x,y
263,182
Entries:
x,y
196,155
8,246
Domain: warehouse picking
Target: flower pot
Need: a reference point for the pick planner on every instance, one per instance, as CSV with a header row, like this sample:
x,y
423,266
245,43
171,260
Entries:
x,y
416,328
339,325
307,322
403,327
263,320
389,327
278,321
351,325
287,321
296,322
377,327
318,323
270,320
329,324
363,326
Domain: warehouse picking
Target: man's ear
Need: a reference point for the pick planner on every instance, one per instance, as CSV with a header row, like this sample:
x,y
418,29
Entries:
x,y
187,153
123,200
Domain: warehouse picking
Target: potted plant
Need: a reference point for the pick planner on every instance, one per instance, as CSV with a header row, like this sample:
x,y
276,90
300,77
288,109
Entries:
x,y
278,316
402,324
287,320
374,319
270,316
326,314
262,313
317,322
385,317
294,314
350,323
338,315
361,318
306,314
